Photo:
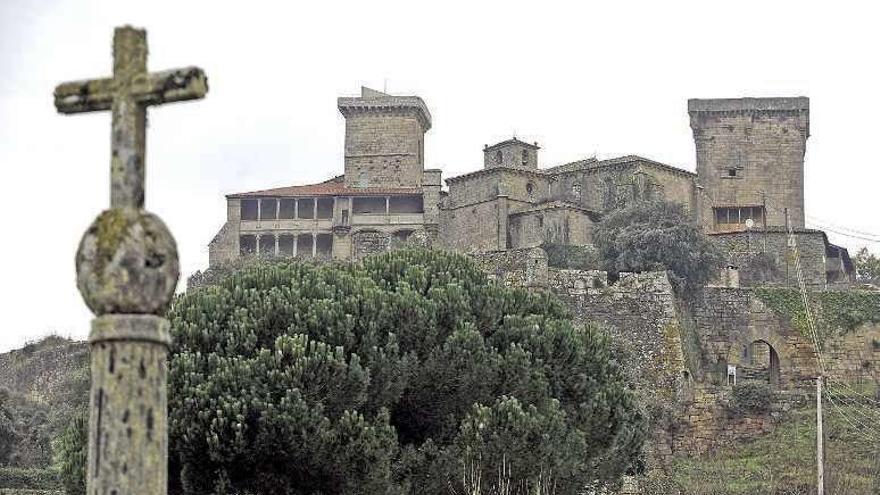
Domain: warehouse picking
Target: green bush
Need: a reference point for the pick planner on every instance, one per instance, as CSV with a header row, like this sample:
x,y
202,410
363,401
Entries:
x,y
396,375
29,479
751,398
71,454
657,235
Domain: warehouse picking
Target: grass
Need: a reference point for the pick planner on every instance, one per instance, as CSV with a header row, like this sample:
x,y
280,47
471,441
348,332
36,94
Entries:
x,y
784,462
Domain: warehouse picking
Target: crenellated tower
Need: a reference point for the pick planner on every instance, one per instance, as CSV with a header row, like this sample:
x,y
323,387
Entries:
x,y
384,139
750,159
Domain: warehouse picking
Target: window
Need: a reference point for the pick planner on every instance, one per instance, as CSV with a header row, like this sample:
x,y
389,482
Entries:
x,y
247,244
363,179
306,208
576,191
499,157
369,205
406,204
285,244
525,157
267,244
738,216
731,172
249,209
268,209
325,208
530,190
287,211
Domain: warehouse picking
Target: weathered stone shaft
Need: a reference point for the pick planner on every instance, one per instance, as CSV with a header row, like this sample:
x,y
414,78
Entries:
x,y
128,433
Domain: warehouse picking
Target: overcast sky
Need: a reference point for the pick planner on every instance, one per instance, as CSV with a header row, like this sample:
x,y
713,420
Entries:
x,y
611,78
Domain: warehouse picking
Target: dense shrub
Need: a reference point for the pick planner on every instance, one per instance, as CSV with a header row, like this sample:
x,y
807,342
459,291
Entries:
x,y
657,235
396,375
71,454
27,479
8,435
751,398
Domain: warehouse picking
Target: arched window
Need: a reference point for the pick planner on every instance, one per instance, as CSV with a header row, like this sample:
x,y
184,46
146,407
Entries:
x,y
525,157
530,190
363,179
499,157
576,191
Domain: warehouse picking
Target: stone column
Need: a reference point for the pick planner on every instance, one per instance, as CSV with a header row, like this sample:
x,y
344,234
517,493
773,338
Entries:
x,y
127,271
129,404
314,245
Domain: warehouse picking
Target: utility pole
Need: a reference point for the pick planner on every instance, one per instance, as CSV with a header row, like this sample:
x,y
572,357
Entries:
x,y
820,449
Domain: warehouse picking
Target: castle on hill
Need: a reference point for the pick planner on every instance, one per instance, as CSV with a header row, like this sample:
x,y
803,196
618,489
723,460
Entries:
x,y
747,194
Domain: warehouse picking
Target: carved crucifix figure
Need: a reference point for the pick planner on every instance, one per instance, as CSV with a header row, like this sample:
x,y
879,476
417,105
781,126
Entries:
x,y
128,94
127,270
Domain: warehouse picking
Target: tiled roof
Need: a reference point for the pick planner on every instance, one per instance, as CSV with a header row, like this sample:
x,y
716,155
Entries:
x,y
512,140
333,187
569,167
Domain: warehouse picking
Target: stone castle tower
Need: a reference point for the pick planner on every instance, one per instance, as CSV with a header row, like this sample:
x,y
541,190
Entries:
x,y
384,139
750,158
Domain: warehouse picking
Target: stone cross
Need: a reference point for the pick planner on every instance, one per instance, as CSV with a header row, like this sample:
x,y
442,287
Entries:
x,y
127,270
127,94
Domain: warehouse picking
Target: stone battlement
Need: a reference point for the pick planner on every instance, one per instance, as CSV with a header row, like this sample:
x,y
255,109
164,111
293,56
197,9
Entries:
x,y
794,104
372,101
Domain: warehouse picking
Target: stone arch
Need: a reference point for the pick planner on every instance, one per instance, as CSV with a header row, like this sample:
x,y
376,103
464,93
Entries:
x,y
757,359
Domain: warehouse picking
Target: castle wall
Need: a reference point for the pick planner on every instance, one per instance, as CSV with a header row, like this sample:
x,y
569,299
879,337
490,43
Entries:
x,y
515,267
562,226
473,228
224,247
521,186
751,151
765,258
383,150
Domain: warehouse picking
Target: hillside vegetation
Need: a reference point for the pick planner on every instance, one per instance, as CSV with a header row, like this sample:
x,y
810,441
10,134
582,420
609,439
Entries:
x,y
784,462
42,386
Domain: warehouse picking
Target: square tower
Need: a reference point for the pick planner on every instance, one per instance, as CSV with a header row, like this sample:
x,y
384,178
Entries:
x,y
512,153
384,139
750,158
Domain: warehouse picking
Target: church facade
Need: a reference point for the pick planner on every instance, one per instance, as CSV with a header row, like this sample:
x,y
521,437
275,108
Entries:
x,y
748,193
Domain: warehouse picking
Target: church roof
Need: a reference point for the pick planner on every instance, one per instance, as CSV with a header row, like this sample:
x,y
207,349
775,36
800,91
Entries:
x,y
332,187
512,140
593,164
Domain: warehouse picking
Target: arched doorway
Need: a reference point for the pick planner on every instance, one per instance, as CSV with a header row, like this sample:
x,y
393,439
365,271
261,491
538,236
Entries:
x,y
760,363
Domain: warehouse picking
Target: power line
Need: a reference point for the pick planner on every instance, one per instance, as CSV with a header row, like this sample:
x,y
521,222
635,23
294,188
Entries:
x,y
861,429
852,236
841,227
859,409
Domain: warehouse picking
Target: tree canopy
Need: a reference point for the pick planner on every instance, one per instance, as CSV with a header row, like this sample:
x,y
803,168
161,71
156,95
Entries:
x,y
657,235
407,373
867,267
